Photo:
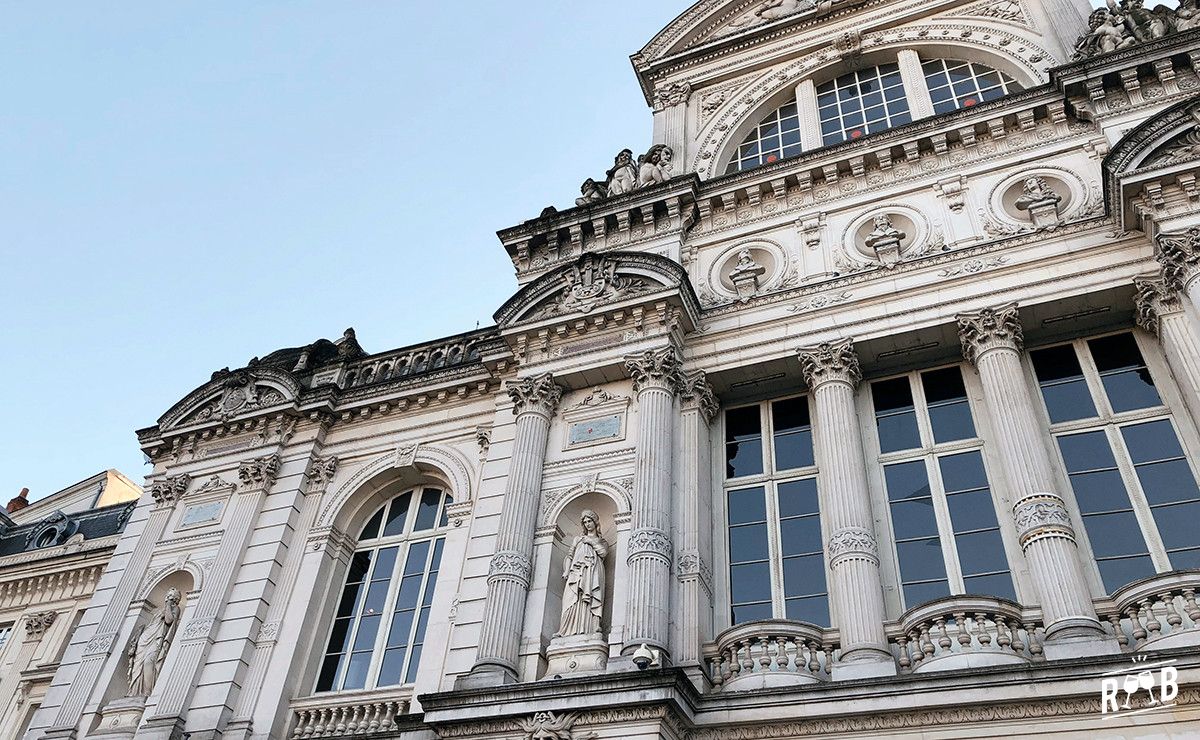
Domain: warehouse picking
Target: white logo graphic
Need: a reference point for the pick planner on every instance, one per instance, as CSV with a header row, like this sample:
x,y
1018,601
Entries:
x,y
1119,688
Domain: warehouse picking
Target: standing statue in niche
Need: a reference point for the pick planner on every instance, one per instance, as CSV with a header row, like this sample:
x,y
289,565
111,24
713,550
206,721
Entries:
x,y
148,646
583,570
654,167
623,176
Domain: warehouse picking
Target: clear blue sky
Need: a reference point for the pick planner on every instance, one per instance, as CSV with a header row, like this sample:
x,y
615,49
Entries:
x,y
186,185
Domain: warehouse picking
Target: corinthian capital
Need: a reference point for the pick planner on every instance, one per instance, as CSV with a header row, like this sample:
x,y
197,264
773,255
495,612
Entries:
x,y
698,394
259,472
655,368
37,623
320,472
830,362
166,492
991,328
1179,255
536,395
1152,300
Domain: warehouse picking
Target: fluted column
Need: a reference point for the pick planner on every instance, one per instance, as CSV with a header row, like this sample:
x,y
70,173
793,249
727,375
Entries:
x,y
657,379
534,402
992,340
855,589
1160,312
693,521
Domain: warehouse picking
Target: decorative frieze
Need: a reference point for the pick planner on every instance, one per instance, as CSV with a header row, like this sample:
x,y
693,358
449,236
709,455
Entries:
x,y
100,644
852,543
830,362
537,395
656,368
37,623
166,492
1042,515
259,473
508,565
197,629
988,329
551,726
671,95
650,543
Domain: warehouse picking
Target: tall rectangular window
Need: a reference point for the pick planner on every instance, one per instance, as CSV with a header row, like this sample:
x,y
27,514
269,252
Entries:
x,y
939,501
5,633
1133,484
776,552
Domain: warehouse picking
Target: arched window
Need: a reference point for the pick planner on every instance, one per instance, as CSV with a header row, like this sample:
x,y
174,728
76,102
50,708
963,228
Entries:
x,y
861,103
383,611
776,137
954,84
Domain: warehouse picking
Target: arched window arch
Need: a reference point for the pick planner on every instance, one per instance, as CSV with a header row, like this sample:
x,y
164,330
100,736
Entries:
x,y
867,101
383,610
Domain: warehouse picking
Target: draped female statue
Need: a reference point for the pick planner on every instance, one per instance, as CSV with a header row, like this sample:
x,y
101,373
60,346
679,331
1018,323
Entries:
x,y
583,570
148,647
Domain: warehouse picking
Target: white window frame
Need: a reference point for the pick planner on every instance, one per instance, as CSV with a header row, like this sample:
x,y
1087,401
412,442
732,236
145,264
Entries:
x,y
929,452
769,481
1110,423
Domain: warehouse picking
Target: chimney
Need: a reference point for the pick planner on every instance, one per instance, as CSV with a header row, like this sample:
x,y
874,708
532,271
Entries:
x,y
20,502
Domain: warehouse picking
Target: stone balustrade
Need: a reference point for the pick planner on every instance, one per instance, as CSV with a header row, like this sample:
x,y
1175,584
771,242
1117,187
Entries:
x,y
965,632
417,360
360,713
1155,613
771,652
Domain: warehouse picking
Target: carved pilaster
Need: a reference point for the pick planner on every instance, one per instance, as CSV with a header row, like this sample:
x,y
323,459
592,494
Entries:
x,y
988,329
537,395
258,473
1179,255
830,362
698,394
656,368
1152,300
166,492
37,623
320,471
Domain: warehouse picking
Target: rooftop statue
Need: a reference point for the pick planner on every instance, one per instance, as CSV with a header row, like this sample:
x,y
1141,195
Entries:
x,y
626,175
622,178
590,192
654,167
1128,22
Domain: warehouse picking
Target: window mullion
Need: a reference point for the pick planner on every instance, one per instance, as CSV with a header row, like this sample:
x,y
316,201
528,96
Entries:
x,y
775,549
1137,499
385,618
941,512
920,104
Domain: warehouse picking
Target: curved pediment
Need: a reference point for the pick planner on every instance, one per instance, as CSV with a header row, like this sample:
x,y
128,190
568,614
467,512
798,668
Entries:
x,y
232,394
1171,137
715,20
593,281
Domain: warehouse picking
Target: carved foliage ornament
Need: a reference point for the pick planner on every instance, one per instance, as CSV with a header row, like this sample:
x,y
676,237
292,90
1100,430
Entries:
x,y
536,395
590,283
510,566
1179,255
551,726
167,491
671,94
649,543
655,368
259,472
698,393
853,543
1042,515
1183,148
830,361
991,328
37,623
320,471
1153,298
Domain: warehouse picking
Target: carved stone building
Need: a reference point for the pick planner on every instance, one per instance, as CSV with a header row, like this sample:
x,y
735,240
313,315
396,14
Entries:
x,y
863,404
52,554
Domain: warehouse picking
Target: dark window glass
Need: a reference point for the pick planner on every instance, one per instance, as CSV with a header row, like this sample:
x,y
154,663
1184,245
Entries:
x,y
1126,378
895,415
1063,387
919,593
397,515
803,556
915,528
371,530
1117,572
1159,461
949,410
749,569
743,442
793,433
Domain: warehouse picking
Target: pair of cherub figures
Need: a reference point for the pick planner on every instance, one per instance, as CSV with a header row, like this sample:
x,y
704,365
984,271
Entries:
x,y
1128,22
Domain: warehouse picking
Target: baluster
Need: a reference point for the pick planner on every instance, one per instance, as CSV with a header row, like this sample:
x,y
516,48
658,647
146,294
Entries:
x,y
828,650
328,717
1003,636
375,710
964,636
1135,622
301,720
927,639
735,660
1114,619
984,632
389,716
718,669
1174,618
814,659
793,655
342,713
1035,644
780,657
903,660
918,653
1190,607
748,661
764,653
1152,623
356,717
944,641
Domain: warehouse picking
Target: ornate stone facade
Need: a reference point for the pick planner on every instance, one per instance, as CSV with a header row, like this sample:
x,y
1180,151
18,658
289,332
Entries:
x,y
704,478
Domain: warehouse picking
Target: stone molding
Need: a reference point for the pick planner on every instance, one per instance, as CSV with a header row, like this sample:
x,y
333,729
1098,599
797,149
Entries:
x,y
689,566
649,543
510,566
852,543
1179,255
259,473
1152,300
37,623
656,369
536,395
988,329
197,629
1042,515
830,362
698,394
166,492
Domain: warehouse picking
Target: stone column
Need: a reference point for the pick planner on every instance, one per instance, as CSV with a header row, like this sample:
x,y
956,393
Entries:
x,y
855,587
992,340
810,117
1160,312
670,120
82,695
915,89
693,521
175,688
534,402
657,379
1179,255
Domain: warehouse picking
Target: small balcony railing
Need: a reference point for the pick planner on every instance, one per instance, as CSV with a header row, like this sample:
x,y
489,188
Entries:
x,y
357,713
965,632
771,652
1155,613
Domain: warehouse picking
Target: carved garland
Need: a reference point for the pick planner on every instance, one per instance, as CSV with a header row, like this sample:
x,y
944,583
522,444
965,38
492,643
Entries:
x,y
852,543
649,543
507,565
1042,515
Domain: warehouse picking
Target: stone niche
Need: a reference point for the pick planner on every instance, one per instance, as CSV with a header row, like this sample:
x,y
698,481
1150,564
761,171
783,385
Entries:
x,y
571,649
1040,197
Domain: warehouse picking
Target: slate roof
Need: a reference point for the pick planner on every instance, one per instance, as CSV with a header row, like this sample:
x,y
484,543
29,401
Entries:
x,y
92,524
